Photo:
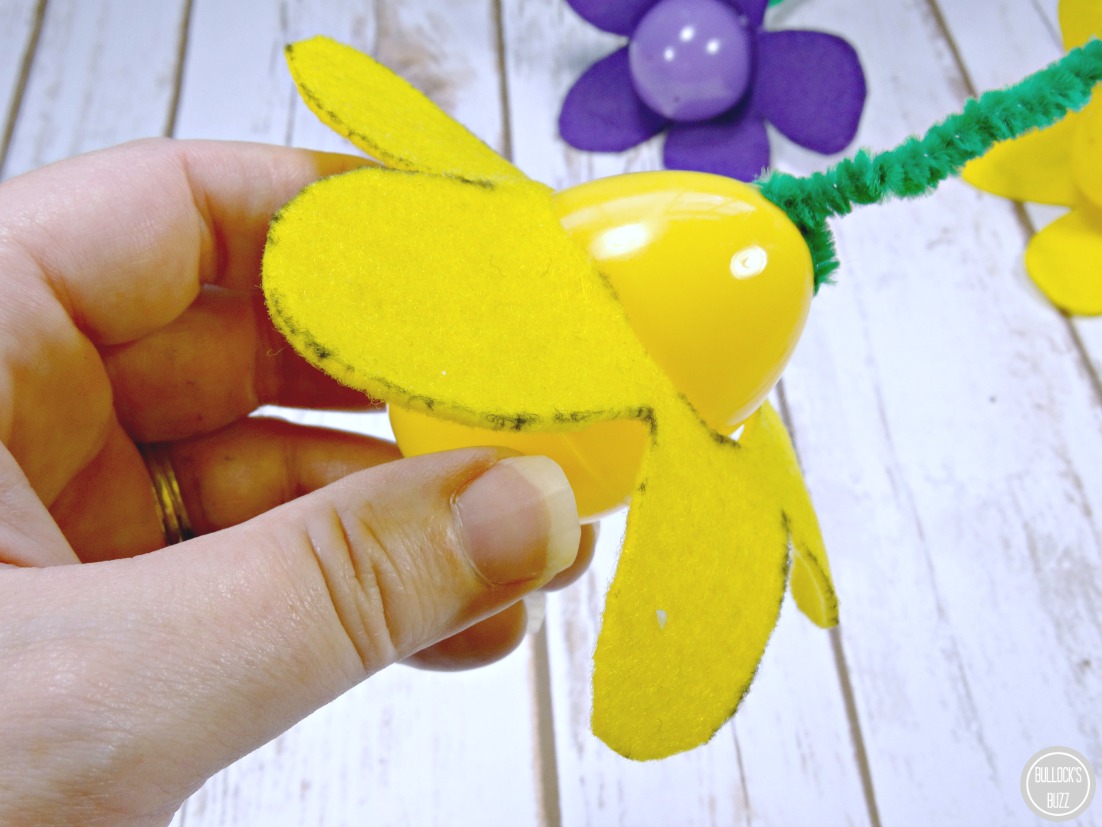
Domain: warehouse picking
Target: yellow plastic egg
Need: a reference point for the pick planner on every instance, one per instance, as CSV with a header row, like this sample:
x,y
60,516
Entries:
x,y
716,282
600,461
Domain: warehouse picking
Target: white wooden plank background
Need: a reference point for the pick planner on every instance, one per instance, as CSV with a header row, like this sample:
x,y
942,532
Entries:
x,y
103,72
947,418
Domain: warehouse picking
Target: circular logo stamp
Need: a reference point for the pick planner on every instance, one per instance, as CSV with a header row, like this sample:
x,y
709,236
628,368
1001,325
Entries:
x,y
1058,783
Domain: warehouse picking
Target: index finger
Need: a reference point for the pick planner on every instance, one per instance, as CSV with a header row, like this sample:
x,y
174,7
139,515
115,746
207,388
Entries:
x,y
126,237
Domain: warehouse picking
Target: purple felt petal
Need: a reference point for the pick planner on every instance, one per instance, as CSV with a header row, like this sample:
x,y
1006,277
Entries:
x,y
735,145
615,16
753,10
602,113
811,87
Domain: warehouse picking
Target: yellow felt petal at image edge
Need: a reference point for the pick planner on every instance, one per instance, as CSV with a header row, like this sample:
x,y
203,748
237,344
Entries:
x,y
466,300
698,587
1065,261
1086,159
1035,167
1080,20
385,116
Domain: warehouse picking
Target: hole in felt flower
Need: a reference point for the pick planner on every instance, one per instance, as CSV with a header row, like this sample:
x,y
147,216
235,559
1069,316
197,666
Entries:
x,y
661,619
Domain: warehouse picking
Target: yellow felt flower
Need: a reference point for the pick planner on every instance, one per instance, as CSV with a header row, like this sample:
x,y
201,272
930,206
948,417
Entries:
x,y
1059,165
445,282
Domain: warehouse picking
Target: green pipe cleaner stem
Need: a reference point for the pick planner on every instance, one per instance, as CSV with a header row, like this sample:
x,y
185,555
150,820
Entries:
x,y
918,165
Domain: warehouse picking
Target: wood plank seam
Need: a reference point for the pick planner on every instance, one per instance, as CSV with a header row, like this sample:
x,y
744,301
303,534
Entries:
x,y
861,754
1049,24
21,83
748,810
547,764
1085,358
857,736
503,76
547,760
178,78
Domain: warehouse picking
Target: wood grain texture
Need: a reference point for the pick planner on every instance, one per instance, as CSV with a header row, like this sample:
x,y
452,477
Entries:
x,y
104,72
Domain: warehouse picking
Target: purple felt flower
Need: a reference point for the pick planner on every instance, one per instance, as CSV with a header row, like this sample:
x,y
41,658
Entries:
x,y
708,72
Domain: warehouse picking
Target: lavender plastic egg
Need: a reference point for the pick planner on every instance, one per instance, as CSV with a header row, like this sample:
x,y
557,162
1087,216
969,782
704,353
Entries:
x,y
691,59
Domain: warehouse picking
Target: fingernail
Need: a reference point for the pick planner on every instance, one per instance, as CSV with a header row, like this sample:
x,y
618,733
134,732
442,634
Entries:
x,y
519,521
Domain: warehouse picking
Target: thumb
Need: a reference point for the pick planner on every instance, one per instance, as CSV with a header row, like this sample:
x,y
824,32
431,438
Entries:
x,y
132,681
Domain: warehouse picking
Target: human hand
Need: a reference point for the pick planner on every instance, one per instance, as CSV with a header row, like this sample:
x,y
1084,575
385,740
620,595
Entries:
x,y
130,314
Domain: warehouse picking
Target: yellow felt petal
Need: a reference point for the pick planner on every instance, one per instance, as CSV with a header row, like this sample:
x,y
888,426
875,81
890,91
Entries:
x,y
386,117
810,581
1035,167
1080,20
1065,260
1086,156
466,299
698,587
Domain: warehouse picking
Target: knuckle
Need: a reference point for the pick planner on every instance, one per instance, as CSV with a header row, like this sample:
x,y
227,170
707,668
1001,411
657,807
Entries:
x,y
380,576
